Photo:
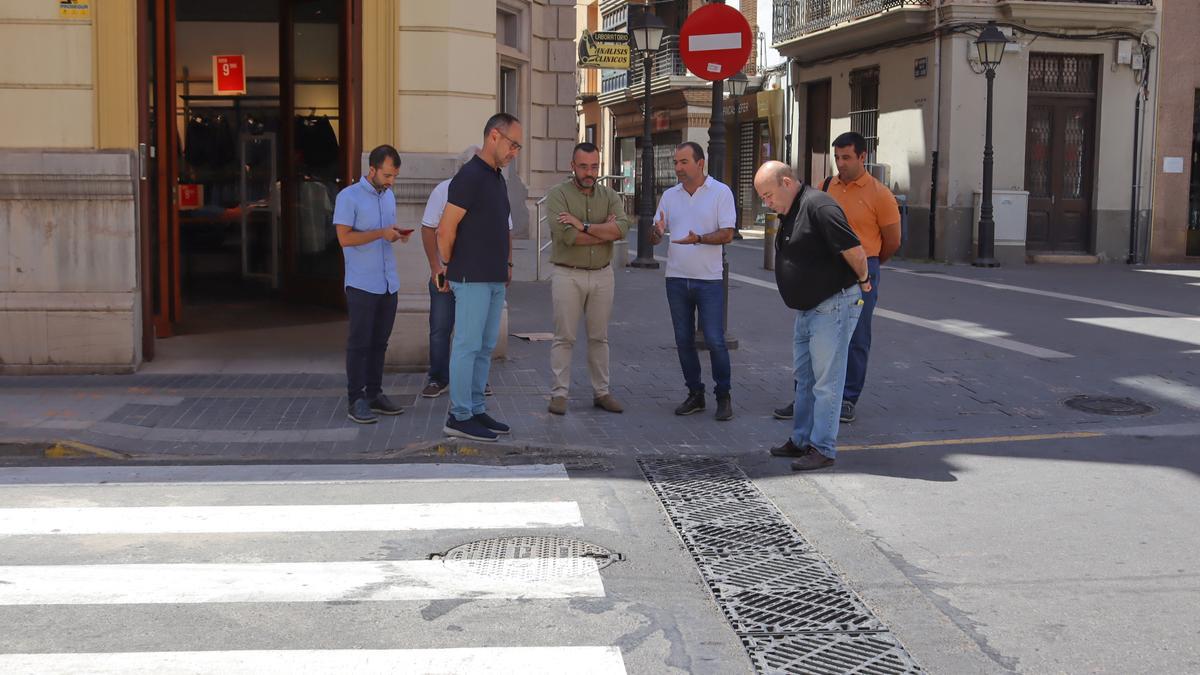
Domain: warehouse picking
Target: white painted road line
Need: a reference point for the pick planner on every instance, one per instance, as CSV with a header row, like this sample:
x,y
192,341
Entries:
x,y
378,581
1182,329
287,518
1179,393
276,474
1136,309
947,326
476,661
974,332
1190,274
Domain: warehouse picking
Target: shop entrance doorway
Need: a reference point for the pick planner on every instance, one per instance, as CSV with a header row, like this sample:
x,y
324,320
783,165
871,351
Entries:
x,y
243,167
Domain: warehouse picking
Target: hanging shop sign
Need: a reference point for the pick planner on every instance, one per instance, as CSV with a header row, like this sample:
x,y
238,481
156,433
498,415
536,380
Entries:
x,y
604,49
74,10
229,74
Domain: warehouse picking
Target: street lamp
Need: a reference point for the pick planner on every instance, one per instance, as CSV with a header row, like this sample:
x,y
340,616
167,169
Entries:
x,y
990,43
737,87
647,35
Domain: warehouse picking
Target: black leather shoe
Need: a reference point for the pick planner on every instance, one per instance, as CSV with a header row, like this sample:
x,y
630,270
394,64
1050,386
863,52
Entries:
x,y
789,449
847,412
693,404
384,406
810,460
784,413
724,408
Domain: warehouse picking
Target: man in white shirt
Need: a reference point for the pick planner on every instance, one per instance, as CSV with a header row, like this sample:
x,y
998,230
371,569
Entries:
x,y
700,214
441,302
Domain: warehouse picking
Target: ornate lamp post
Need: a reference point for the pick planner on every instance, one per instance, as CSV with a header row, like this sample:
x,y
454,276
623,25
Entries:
x,y
990,43
737,87
647,36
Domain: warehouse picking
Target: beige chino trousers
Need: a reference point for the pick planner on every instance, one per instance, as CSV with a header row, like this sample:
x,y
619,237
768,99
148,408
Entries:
x,y
581,293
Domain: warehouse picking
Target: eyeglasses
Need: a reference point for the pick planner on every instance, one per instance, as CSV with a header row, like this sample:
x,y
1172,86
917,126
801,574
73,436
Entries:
x,y
515,145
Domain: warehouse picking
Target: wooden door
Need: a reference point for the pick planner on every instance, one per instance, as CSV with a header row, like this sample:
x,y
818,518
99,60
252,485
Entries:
x,y
159,134
816,132
1060,152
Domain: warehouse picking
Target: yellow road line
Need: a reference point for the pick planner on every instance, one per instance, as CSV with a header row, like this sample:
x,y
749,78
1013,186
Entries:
x,y
982,440
76,449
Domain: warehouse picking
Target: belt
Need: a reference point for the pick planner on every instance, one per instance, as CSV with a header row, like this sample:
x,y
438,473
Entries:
x,y
585,269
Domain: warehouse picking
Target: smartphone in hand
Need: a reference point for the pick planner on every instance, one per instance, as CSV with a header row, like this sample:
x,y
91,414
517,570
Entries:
x,y
404,231
440,281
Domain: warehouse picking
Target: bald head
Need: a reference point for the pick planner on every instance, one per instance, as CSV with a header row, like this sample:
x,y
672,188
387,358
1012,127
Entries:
x,y
776,183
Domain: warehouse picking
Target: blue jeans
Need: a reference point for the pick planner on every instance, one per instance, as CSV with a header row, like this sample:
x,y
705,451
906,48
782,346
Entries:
x,y
685,297
822,340
860,343
372,316
441,326
477,308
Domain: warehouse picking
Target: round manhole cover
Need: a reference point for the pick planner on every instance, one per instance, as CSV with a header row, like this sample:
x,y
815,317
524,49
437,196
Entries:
x,y
1100,405
529,558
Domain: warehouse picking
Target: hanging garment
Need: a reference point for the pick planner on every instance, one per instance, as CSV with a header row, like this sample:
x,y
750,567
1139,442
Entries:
x,y
316,217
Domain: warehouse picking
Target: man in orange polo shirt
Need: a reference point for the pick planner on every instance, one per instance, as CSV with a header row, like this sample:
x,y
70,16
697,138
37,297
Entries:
x,y
874,216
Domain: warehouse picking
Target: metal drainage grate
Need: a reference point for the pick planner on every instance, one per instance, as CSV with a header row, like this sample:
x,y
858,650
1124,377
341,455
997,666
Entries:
x,y
836,654
763,537
793,612
542,558
756,572
799,610
725,513
1100,405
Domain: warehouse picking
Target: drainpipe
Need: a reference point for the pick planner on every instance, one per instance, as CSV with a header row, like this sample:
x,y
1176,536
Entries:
x,y
937,135
1135,189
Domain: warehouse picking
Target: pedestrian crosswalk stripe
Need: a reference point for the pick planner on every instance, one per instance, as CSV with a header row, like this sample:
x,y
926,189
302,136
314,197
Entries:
x,y
395,580
469,661
278,474
287,518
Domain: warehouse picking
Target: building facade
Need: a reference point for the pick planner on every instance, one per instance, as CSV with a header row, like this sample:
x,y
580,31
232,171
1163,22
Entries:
x,y
905,74
1175,229
611,105
148,190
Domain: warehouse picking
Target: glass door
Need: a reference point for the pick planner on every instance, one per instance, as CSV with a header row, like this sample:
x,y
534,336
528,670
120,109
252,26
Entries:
x,y
318,146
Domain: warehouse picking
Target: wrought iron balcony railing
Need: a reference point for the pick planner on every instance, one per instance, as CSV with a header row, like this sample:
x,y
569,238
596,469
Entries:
x,y
666,62
794,18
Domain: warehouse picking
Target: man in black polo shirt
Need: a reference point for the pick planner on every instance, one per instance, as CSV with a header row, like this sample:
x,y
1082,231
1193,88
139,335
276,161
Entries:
x,y
821,271
475,251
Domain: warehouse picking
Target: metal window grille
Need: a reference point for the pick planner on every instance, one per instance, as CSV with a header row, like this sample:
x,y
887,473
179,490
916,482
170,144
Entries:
x,y
746,165
864,107
1063,73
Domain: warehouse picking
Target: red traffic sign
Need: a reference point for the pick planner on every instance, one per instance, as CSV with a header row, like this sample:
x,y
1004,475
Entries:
x,y
715,42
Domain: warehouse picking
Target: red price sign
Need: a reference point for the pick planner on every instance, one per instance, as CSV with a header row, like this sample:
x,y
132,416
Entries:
x,y
191,196
229,74
715,42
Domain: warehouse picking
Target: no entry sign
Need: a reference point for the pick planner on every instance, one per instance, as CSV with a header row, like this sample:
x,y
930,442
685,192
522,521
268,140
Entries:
x,y
715,42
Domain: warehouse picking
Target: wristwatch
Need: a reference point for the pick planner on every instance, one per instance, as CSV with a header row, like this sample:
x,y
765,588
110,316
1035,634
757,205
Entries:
x,y
586,227
864,281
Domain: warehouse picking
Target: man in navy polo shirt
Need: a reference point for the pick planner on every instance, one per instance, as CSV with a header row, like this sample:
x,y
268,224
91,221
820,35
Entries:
x,y
365,218
475,247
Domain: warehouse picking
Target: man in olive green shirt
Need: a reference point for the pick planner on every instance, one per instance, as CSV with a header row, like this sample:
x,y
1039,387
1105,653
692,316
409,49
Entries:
x,y
586,218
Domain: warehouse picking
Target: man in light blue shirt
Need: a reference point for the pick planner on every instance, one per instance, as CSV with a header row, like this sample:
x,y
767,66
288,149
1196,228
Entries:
x,y
365,218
